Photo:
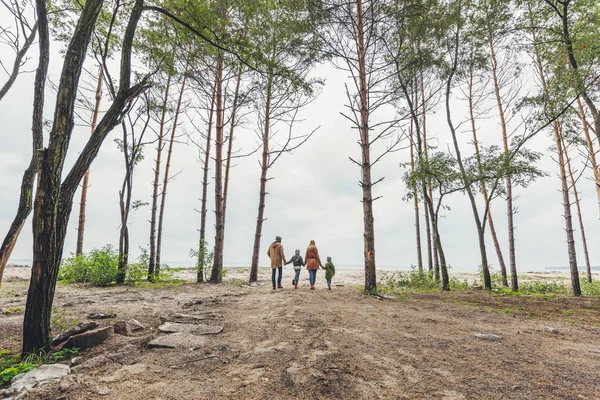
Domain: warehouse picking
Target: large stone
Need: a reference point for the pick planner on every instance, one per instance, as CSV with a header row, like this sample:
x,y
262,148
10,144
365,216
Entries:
x,y
83,327
89,339
135,325
488,336
196,329
550,329
190,318
41,375
122,328
179,341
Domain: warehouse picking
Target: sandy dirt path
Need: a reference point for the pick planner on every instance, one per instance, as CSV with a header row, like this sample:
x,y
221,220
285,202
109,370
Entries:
x,y
339,344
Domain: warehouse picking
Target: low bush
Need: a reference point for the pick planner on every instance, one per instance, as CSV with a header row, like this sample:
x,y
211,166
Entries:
x,y
12,365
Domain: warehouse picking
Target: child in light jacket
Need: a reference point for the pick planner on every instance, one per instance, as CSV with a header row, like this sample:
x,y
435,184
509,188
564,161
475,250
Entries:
x,y
329,271
298,263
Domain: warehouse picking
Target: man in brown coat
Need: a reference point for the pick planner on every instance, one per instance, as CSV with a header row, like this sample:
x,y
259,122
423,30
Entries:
x,y
277,257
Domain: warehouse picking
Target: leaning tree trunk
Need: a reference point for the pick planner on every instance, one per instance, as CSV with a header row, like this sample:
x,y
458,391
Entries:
x,y
509,196
152,267
216,275
48,241
484,191
26,196
18,63
54,200
86,177
563,178
588,267
163,197
264,166
202,243
591,151
366,182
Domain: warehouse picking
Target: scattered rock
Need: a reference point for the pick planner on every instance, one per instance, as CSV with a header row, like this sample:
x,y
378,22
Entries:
x,y
76,361
65,383
102,315
192,302
200,329
103,391
83,327
488,336
179,340
122,328
135,325
41,375
190,318
88,339
68,305
92,363
550,329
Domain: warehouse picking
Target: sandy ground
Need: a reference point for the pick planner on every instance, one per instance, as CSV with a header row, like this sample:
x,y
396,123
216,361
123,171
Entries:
x,y
321,344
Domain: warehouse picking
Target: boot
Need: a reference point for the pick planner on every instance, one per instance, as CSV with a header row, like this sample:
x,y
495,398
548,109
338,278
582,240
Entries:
x,y
279,287
312,287
274,287
296,287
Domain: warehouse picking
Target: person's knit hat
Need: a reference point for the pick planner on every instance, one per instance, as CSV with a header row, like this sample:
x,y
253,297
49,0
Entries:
x,y
278,238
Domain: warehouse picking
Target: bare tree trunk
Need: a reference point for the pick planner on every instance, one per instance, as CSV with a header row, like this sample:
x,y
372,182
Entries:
x,y
563,176
509,196
230,143
166,176
591,152
483,187
86,177
264,165
366,183
432,252
416,205
586,255
37,133
202,244
215,276
152,267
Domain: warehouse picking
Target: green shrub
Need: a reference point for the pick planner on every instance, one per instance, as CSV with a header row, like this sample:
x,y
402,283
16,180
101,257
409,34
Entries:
x,y
391,281
590,288
99,267
12,365
543,288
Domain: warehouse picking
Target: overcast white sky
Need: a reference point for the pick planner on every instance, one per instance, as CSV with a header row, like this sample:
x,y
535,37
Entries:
x,y
314,194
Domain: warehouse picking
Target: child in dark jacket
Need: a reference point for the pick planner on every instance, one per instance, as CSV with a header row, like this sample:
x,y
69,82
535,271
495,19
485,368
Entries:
x,y
329,271
298,263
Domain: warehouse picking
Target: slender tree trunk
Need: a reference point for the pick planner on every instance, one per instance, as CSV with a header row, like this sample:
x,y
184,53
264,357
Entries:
x,y
480,228
202,244
575,67
432,252
591,151
586,254
563,176
152,267
483,187
215,276
509,196
86,177
48,238
440,250
366,183
166,176
264,165
26,196
230,144
416,205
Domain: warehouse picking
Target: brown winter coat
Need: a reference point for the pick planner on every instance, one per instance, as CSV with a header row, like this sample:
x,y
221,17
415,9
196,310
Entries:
x,y
312,259
276,255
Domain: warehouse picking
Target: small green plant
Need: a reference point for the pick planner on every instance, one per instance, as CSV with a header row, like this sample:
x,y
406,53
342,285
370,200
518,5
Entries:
x,y
237,282
568,313
590,288
12,310
204,258
12,365
416,280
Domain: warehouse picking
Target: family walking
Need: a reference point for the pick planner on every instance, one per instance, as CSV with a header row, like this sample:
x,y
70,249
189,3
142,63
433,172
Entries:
x,y
311,260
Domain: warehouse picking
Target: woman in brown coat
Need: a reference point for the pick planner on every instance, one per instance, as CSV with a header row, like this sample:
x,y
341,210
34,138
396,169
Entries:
x,y
313,262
